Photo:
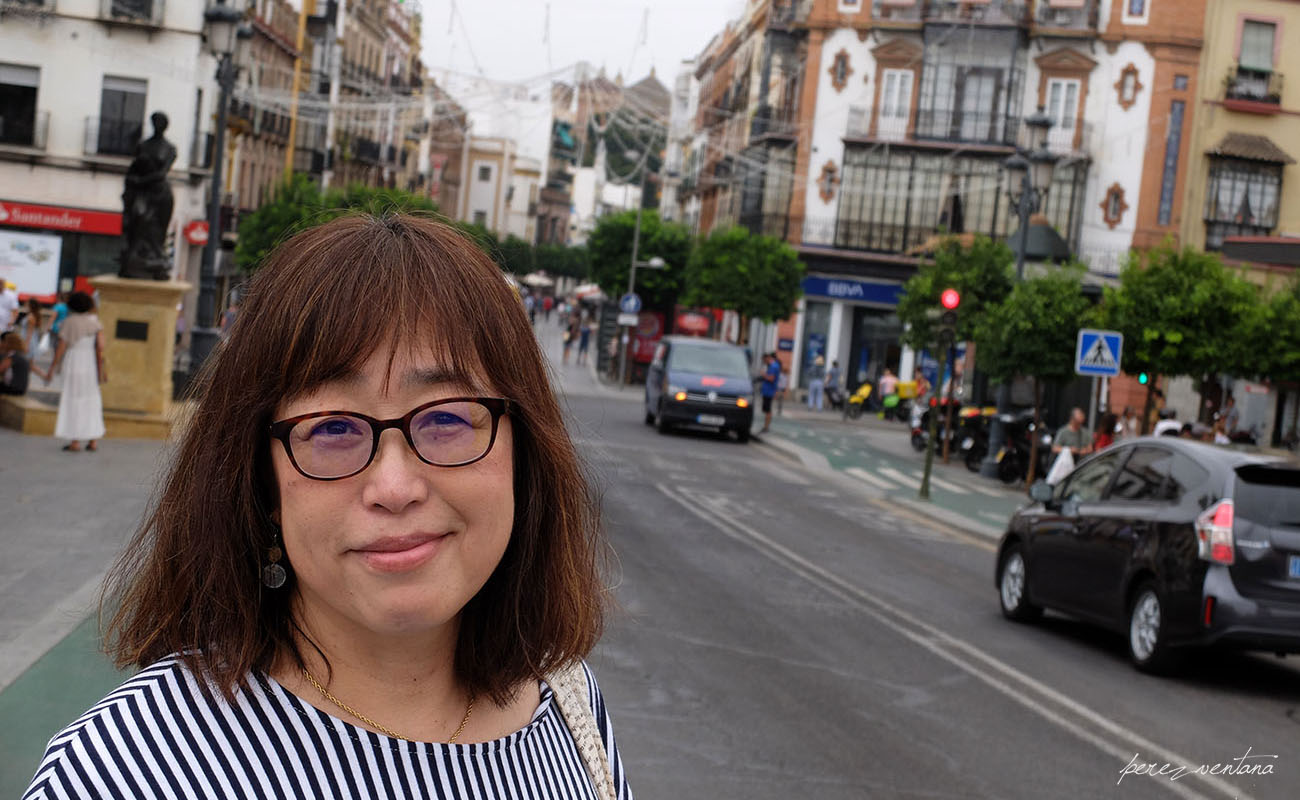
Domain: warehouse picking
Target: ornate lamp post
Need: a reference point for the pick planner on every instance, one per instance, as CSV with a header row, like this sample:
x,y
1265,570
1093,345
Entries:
x,y
1029,176
228,41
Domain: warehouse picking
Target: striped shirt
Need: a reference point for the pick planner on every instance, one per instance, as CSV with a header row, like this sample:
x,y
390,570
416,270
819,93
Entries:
x,y
160,736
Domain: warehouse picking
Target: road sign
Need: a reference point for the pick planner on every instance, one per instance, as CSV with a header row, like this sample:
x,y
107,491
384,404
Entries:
x,y
628,319
629,304
196,232
1097,353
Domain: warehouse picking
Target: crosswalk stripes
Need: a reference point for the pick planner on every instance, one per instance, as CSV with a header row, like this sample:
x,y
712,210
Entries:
x,y
867,477
906,480
986,491
943,484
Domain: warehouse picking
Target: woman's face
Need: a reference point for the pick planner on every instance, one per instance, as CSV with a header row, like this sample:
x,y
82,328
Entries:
x,y
401,547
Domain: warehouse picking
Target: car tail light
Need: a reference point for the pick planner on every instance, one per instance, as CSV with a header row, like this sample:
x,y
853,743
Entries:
x,y
680,396
1209,610
1214,534
743,402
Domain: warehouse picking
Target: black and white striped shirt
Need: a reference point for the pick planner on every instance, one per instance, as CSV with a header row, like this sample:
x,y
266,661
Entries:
x,y
159,736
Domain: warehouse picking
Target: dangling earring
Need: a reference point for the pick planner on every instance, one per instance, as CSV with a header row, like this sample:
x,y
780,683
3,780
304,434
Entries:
x,y
273,575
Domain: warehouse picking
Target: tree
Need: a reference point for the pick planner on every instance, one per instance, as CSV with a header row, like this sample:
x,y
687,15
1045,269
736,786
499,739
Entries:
x,y
755,276
517,256
1032,332
1183,313
610,249
981,273
556,259
1280,342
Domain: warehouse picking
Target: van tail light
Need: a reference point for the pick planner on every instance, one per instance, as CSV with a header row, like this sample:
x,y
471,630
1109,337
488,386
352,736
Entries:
x,y
1214,534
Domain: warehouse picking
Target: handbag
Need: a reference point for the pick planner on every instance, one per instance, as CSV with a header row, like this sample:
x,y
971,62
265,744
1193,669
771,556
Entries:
x,y
572,691
43,346
1062,466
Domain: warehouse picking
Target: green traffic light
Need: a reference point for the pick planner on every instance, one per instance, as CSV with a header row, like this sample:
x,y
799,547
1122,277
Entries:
x,y
1142,379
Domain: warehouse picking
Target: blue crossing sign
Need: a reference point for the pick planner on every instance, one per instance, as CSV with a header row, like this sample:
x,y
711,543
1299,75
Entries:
x,y
629,303
1097,353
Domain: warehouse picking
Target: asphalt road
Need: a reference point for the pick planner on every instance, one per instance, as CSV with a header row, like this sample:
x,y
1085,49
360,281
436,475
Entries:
x,y
783,633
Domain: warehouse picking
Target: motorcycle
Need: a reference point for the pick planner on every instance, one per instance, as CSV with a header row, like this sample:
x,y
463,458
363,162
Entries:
x,y
921,421
973,436
857,401
835,395
1013,459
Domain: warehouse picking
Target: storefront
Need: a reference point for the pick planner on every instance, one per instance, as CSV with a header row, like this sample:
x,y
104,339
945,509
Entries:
x,y
850,321
46,249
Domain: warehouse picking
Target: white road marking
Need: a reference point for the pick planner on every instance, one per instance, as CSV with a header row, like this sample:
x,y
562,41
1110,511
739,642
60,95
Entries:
x,y
781,473
943,484
984,490
1057,708
862,475
906,480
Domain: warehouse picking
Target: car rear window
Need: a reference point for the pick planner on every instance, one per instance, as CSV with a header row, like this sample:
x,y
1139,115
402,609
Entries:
x,y
721,361
1268,494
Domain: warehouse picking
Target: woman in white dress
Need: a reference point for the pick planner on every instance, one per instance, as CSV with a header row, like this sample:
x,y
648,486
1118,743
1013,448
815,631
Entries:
x,y
81,353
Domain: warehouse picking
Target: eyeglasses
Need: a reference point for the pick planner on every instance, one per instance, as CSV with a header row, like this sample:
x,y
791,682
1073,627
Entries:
x,y
332,445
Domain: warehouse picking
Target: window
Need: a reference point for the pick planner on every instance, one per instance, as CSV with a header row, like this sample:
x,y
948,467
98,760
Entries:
x,y
121,115
485,173
1241,199
18,86
895,104
1136,12
1113,206
1184,476
133,10
849,6
1062,108
1087,483
1256,45
840,71
1144,475
480,218
1169,175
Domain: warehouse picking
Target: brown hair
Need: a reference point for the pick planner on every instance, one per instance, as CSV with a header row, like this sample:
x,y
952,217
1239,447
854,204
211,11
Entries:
x,y
190,580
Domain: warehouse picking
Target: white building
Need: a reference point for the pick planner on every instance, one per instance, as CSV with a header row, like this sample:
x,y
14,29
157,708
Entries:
x,y
79,80
681,136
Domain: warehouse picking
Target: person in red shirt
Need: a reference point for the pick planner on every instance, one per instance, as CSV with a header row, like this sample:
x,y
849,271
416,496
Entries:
x,y
1105,435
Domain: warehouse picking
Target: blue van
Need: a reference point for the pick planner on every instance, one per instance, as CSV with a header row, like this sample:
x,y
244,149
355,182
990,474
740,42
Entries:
x,y
699,382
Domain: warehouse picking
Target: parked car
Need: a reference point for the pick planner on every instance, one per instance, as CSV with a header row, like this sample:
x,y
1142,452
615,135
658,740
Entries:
x,y
699,382
1172,542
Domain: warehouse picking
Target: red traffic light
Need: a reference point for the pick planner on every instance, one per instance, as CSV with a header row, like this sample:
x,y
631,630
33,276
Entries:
x,y
950,299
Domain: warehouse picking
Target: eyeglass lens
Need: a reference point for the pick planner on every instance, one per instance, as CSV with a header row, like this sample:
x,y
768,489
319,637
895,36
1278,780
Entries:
x,y
447,434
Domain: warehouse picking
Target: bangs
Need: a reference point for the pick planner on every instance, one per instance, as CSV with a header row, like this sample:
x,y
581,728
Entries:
x,y
331,301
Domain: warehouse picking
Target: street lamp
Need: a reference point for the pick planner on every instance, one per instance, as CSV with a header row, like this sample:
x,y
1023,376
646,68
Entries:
x,y
654,263
228,41
1029,177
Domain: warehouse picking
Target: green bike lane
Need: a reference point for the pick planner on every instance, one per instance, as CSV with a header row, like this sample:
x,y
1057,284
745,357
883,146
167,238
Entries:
x,y
879,456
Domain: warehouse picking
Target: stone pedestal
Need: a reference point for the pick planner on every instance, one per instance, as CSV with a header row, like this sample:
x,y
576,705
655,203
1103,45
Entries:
x,y
139,318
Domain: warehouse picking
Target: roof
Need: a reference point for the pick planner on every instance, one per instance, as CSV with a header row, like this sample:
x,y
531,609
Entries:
x,y
1251,147
1205,453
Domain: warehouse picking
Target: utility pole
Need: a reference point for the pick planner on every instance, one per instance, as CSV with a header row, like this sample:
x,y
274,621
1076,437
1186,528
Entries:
x,y
308,9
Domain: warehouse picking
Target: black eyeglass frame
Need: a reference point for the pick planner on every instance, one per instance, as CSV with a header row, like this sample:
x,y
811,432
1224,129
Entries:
x,y
496,406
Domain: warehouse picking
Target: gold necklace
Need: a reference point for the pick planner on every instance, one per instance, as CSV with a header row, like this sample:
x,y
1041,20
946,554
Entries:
x,y
469,709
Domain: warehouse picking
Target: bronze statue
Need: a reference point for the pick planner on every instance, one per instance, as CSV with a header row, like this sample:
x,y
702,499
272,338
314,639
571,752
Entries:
x,y
147,207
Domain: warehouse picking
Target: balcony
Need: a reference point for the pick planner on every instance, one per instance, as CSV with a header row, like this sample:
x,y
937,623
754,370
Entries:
x,y
772,121
111,137
26,6
367,150
777,225
978,12
1069,16
906,11
788,13
966,127
1253,91
133,12
24,130
1060,139
888,129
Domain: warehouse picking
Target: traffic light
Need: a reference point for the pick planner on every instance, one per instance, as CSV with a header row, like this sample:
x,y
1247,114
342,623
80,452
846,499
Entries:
x,y
1143,378
949,299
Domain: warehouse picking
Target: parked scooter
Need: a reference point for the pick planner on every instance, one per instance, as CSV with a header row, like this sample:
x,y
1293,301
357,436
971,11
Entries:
x,y
1013,460
921,421
857,401
973,436
836,396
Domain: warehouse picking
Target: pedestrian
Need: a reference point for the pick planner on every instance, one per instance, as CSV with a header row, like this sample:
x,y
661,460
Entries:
x,y
1105,435
888,383
324,607
1231,416
80,355
1074,436
548,302
60,310
228,317
570,336
31,327
530,305
9,305
584,337
834,375
1128,424
817,384
768,389
15,367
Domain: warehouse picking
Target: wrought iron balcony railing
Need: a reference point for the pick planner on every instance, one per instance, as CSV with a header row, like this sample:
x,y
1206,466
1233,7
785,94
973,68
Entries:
x,y
969,127
898,10
986,12
1254,85
1075,15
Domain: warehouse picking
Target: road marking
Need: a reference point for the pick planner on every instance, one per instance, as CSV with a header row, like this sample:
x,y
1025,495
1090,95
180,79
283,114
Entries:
x,y
782,473
1054,706
862,475
984,490
952,487
906,480
58,621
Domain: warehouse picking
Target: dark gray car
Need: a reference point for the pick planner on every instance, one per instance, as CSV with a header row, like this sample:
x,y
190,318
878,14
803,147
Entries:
x,y
1172,542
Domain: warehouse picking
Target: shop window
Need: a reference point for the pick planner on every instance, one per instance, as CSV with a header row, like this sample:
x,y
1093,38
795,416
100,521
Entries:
x,y
1128,86
18,86
1241,199
840,70
1113,206
121,115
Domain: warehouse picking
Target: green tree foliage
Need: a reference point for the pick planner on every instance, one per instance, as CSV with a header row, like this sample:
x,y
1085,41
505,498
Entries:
x,y
982,273
1032,331
610,250
299,204
1183,313
1279,340
517,256
755,276
556,259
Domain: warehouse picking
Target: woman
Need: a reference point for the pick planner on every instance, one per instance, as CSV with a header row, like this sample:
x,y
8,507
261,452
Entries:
x,y
31,327
570,334
1105,435
81,345
324,607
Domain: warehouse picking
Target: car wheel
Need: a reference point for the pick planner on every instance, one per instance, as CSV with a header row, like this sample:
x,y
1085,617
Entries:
x,y
1146,631
742,435
1013,587
661,422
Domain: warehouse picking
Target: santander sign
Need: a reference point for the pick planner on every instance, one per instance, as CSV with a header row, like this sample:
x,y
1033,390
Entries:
x,y
28,215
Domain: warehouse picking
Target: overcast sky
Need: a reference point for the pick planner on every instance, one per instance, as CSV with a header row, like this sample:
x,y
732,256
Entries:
x,y
507,36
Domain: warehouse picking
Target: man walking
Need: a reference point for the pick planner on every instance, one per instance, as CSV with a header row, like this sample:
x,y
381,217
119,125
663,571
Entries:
x,y
771,377
816,384
1074,436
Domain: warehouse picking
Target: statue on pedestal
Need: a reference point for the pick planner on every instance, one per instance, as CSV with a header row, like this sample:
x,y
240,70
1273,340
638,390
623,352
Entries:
x,y
147,207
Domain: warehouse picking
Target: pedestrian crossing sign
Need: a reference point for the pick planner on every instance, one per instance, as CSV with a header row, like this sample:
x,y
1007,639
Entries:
x,y
1097,353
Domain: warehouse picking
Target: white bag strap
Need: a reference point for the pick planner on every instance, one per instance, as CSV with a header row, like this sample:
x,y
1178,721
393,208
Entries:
x,y
571,691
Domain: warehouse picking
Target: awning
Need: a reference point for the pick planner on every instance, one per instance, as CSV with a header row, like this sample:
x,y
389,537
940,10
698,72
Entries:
x,y
1250,147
